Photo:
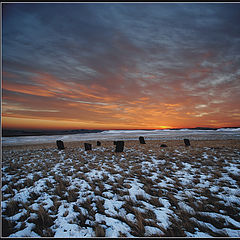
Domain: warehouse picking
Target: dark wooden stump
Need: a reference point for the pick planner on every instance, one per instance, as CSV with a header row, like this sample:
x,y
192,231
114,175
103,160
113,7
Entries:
x,y
187,142
119,146
114,142
141,140
163,145
98,143
60,144
87,146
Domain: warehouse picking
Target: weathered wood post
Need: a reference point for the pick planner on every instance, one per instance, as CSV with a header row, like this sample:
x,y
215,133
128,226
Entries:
x,y
87,146
141,140
98,143
187,142
119,146
114,142
60,144
163,145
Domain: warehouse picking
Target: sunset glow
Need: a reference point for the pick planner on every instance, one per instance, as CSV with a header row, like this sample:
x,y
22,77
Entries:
x,y
120,66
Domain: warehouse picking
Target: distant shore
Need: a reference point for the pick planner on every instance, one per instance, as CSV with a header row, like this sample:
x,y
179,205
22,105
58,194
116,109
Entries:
x,y
25,132
19,133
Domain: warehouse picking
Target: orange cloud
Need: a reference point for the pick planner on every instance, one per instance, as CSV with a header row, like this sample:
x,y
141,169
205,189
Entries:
x,y
65,104
27,89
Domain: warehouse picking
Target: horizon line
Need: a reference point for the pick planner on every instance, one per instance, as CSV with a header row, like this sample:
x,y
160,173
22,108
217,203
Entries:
x,y
105,129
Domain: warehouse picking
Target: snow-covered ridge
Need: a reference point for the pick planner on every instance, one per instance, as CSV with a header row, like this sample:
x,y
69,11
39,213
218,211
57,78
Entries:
x,y
168,130
112,135
228,129
129,131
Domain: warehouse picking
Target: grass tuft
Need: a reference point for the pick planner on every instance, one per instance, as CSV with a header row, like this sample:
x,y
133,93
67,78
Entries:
x,y
72,195
42,223
99,231
100,206
12,208
8,227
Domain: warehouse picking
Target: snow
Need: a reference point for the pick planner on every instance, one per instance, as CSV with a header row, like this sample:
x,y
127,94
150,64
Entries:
x,y
112,206
228,129
186,208
136,189
170,177
114,227
225,133
26,232
18,215
128,131
152,230
198,234
163,217
22,195
67,230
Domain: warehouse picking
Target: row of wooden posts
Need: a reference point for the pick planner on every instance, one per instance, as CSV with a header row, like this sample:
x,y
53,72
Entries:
x,y
119,144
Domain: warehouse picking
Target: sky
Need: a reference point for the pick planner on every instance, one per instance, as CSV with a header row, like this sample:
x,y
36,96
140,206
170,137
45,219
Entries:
x,y
120,65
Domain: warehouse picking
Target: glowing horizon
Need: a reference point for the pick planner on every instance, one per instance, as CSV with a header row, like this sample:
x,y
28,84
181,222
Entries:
x,y
120,66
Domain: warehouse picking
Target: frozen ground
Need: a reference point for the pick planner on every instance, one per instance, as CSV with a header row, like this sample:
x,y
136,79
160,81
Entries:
x,y
144,191
129,135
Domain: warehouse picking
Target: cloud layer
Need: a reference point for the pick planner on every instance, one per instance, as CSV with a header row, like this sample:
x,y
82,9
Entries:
x,y
112,65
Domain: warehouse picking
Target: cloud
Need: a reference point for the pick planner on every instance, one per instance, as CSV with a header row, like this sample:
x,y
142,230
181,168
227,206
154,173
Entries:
x,y
116,62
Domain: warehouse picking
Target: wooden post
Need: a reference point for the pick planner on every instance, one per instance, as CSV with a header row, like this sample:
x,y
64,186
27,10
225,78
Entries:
x,y
163,145
141,140
98,143
187,142
60,144
119,146
87,146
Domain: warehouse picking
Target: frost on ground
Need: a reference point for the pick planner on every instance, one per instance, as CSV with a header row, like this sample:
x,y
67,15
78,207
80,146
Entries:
x,y
144,191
